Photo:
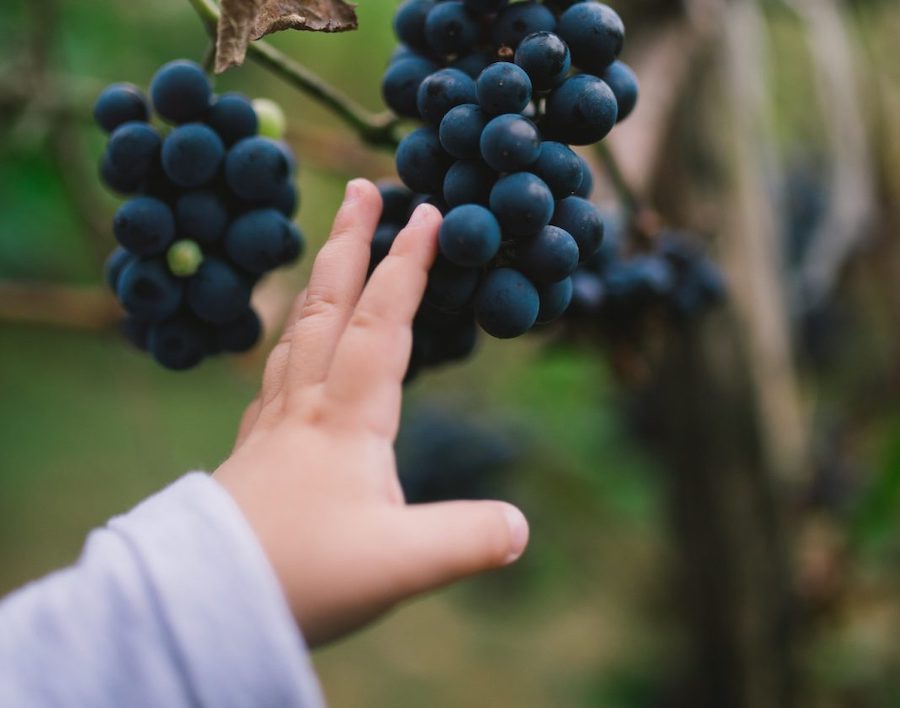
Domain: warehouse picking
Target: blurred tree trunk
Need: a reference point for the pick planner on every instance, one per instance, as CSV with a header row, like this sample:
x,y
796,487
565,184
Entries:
x,y
731,571
722,408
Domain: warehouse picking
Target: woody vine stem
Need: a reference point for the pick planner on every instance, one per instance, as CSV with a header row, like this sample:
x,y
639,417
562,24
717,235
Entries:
x,y
378,130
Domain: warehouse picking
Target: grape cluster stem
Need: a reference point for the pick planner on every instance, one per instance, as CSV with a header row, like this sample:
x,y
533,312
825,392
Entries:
x,y
629,198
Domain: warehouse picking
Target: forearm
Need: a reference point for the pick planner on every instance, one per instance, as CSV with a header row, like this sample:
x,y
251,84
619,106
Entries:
x,y
172,604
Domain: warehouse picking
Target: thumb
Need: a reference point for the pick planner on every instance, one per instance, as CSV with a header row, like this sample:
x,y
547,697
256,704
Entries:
x,y
445,542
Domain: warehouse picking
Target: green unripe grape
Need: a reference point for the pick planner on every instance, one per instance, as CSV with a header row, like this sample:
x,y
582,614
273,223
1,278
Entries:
x,y
184,258
272,122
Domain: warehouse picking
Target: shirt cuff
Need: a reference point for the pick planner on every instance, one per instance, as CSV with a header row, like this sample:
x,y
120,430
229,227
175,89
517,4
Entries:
x,y
219,598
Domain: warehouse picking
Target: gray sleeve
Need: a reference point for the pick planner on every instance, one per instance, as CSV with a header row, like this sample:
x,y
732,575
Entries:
x,y
173,604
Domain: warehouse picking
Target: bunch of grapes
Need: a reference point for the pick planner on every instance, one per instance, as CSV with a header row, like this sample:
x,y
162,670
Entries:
x,y
211,197
503,90
671,274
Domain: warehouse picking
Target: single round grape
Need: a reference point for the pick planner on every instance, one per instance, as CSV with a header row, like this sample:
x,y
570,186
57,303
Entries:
x,y
133,151
395,201
450,287
382,242
425,349
400,85
595,35
422,162
555,300
260,240
136,332
473,64
485,7
582,110
434,317
438,203
160,186
610,247
409,23
288,154
240,335
184,258
433,199
460,131
286,199
144,225
503,88
545,58
272,122
201,215
296,245
588,293
711,281
469,236
560,6
522,203
510,142
422,351
450,28
582,220
181,92
517,21
218,293
179,343
148,290
586,186
456,341
115,180
233,117
624,84
548,256
120,103
469,182
192,154
507,304
401,51
641,278
256,168
560,168
114,265
441,91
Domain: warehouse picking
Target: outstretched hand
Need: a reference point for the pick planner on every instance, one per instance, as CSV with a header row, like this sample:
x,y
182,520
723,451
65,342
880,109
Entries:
x,y
314,469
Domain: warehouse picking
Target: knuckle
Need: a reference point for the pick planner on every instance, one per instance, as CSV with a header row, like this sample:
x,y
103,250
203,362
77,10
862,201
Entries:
x,y
320,302
315,411
284,341
368,320
275,362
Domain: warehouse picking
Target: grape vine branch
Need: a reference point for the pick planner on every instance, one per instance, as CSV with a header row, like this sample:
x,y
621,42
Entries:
x,y
376,129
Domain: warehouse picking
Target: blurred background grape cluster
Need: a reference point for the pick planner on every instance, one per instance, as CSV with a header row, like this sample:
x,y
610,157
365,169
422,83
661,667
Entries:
x,y
715,507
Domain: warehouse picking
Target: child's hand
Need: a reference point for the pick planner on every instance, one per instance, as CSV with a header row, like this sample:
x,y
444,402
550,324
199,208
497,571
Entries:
x,y
314,468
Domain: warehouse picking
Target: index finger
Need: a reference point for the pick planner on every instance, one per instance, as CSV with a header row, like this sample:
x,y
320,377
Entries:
x,y
337,279
372,357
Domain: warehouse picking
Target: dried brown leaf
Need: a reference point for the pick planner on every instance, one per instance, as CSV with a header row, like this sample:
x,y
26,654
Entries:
x,y
244,20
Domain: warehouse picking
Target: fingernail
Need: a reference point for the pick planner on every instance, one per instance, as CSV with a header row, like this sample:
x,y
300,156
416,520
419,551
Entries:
x,y
351,193
518,532
420,214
